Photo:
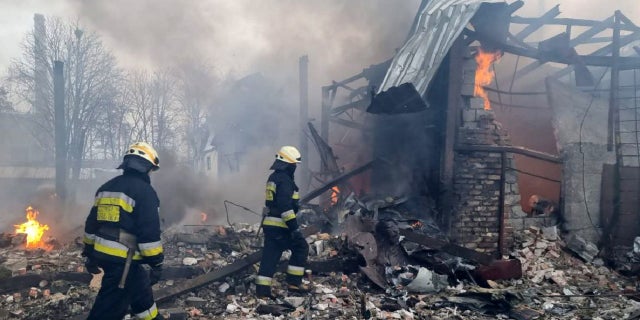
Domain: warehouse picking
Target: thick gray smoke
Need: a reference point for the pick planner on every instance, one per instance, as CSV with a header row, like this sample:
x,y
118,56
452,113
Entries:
x,y
239,38
243,36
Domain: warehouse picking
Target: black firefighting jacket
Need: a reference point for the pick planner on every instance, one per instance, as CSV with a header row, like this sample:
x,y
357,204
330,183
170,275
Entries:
x,y
130,203
281,199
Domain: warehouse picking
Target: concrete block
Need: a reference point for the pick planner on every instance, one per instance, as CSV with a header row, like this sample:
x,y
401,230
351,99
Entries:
x,y
469,77
517,224
468,115
512,199
485,114
467,89
517,212
476,103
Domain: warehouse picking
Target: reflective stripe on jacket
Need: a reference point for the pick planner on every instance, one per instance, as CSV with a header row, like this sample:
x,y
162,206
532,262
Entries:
x,y
282,200
130,203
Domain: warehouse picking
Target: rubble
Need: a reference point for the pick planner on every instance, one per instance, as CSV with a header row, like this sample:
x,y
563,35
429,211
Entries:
x,y
427,283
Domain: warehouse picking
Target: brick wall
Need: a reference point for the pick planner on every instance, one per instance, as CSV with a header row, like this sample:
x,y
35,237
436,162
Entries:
x,y
475,221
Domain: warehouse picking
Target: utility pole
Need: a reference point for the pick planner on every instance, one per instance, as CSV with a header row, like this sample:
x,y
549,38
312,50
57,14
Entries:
x,y
59,129
304,118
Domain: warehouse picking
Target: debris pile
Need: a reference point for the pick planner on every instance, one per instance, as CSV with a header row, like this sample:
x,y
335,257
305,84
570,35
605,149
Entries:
x,y
210,273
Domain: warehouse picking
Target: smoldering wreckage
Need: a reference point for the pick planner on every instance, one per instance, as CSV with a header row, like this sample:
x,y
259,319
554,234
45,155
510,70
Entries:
x,y
456,242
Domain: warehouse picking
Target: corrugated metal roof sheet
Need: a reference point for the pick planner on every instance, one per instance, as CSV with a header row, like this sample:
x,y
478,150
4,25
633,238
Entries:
x,y
439,24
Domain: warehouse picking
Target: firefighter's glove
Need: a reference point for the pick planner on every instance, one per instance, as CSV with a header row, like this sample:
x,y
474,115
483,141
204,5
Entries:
x,y
297,235
155,274
91,266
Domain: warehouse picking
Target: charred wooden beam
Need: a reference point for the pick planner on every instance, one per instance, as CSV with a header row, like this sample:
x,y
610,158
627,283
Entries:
x,y
569,22
32,280
329,162
203,280
335,264
447,247
512,149
452,124
602,51
348,123
317,192
361,104
580,39
535,24
625,63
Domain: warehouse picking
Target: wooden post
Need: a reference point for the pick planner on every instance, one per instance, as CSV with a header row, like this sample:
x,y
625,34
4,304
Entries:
x,y
59,129
452,113
305,175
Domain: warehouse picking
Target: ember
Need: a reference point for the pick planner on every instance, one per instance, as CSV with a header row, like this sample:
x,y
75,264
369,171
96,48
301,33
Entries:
x,y
416,224
203,217
484,76
33,229
335,193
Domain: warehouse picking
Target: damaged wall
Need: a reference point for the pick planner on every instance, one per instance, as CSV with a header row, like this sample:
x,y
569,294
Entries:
x,y
476,182
477,177
580,124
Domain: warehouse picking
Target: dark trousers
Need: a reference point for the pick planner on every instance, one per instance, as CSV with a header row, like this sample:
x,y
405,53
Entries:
x,y
274,244
113,302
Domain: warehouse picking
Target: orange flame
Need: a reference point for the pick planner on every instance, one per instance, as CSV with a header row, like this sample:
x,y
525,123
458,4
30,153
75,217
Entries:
x,y
335,192
484,76
33,229
203,217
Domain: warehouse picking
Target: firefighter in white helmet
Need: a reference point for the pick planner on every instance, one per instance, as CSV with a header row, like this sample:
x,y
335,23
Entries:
x,y
281,231
123,228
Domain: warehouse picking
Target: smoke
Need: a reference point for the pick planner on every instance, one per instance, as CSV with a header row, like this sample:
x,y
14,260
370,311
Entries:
x,y
241,37
185,194
238,38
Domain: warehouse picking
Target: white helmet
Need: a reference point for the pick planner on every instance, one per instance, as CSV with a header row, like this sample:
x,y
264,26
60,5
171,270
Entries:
x,y
289,154
145,151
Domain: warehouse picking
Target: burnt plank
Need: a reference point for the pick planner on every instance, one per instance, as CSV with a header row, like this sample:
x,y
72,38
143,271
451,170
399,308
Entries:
x,y
447,247
200,281
536,24
32,280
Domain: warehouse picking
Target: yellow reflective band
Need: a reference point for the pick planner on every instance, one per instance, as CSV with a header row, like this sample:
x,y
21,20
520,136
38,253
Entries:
x,y
295,270
271,190
263,281
149,314
89,239
129,203
296,195
108,213
274,222
113,248
288,215
114,202
151,248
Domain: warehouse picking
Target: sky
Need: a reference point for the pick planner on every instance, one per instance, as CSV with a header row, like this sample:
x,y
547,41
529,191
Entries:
x,y
242,36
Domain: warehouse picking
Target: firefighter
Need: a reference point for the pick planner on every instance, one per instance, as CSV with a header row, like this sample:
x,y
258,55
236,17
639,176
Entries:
x,y
126,215
281,231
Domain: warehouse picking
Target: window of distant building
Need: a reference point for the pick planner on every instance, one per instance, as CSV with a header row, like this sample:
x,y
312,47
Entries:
x,y
208,163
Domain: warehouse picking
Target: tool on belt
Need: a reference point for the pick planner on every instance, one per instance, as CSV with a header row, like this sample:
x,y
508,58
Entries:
x,y
131,242
265,212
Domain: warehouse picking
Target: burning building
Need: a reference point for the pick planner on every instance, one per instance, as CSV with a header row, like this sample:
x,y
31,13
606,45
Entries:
x,y
463,156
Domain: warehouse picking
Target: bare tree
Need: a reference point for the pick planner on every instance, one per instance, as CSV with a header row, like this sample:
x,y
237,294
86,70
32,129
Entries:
x,y
90,83
152,107
197,91
113,132
5,104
